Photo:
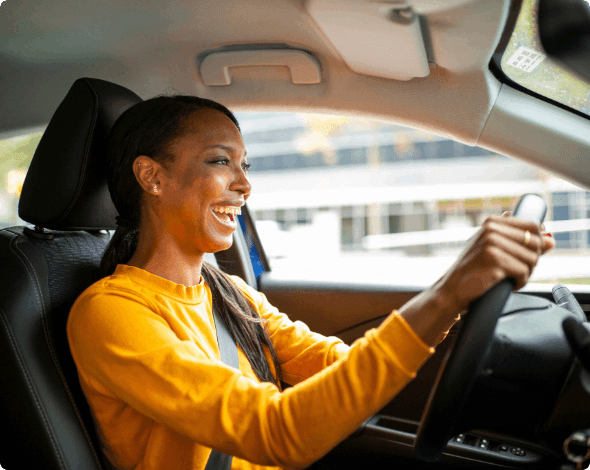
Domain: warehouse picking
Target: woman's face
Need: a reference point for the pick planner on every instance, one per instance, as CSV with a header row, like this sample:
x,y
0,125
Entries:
x,y
202,191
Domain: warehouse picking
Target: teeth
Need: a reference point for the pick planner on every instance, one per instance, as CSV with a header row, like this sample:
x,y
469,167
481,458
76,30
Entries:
x,y
228,210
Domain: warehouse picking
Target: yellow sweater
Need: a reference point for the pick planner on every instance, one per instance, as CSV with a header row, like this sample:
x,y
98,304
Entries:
x,y
148,362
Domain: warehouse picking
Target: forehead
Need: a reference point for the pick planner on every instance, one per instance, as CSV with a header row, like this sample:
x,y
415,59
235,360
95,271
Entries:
x,y
209,126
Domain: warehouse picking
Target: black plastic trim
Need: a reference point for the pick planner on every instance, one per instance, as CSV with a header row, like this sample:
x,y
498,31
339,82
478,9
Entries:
x,y
404,432
253,234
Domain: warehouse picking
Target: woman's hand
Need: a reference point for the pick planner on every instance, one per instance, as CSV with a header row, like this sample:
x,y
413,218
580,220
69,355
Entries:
x,y
504,247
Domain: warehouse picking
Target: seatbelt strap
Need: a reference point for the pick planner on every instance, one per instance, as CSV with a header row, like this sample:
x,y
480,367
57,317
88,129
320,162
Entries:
x,y
228,350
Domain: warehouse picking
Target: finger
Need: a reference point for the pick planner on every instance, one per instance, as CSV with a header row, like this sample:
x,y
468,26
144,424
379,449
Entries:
x,y
506,214
508,267
515,222
513,249
548,242
532,241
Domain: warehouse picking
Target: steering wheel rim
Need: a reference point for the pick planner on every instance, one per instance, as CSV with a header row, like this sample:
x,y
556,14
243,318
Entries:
x,y
456,374
458,371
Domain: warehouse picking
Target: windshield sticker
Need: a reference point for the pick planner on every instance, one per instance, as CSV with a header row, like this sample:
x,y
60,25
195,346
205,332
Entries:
x,y
526,59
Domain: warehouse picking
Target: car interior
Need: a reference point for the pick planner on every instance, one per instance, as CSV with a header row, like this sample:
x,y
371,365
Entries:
x,y
71,68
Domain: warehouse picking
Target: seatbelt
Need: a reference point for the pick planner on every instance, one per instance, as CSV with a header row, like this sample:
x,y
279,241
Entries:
x,y
228,350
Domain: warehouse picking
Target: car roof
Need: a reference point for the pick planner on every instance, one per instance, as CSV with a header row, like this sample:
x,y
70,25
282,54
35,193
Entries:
x,y
157,47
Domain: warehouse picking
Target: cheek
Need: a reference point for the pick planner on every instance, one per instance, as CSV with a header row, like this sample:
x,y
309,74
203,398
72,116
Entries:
x,y
188,177
200,185
212,187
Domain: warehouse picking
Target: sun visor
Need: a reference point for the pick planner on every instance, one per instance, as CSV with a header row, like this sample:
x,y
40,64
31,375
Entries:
x,y
374,38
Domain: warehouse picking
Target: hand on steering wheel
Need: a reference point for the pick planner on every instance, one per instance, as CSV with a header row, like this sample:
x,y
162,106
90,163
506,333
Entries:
x,y
504,247
498,259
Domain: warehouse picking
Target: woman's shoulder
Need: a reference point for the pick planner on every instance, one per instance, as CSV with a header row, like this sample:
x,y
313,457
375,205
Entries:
x,y
113,283
252,294
114,288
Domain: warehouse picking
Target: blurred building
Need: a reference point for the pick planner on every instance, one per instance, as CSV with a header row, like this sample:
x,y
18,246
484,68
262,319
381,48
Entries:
x,y
379,179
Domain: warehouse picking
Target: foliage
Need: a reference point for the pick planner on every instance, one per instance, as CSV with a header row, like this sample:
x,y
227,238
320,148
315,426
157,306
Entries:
x,y
16,153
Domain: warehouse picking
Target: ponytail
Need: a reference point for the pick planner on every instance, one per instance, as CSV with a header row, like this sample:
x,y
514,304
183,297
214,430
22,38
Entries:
x,y
119,250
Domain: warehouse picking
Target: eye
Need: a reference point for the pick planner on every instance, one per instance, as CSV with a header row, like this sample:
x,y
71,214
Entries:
x,y
220,161
246,166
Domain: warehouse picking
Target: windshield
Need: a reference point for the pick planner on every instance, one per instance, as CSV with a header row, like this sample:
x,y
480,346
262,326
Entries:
x,y
348,198
524,62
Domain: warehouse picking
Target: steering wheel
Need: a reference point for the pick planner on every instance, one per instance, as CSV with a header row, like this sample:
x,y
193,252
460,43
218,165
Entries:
x,y
460,366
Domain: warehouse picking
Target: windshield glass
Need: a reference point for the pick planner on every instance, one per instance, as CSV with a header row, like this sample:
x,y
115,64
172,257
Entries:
x,y
525,62
347,198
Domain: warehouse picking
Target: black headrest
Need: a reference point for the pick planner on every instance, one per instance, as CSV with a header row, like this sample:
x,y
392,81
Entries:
x,y
66,187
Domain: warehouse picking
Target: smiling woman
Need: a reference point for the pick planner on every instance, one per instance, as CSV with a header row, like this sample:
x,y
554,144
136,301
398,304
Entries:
x,y
160,178
174,196
194,198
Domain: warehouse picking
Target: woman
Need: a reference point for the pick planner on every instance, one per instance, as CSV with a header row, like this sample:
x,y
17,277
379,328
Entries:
x,y
143,337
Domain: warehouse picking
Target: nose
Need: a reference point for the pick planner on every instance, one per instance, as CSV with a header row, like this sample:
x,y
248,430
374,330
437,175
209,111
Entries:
x,y
241,183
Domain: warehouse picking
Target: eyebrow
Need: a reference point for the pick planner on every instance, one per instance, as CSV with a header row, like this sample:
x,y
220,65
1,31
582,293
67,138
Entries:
x,y
224,147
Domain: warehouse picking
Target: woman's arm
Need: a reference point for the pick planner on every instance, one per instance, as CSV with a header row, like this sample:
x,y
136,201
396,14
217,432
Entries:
x,y
128,354
501,249
496,252
301,352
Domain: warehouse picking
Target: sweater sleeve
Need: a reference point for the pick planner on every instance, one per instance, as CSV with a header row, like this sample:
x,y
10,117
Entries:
x,y
301,352
135,357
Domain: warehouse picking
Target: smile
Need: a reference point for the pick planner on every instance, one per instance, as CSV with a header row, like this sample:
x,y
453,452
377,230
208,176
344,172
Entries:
x,y
226,214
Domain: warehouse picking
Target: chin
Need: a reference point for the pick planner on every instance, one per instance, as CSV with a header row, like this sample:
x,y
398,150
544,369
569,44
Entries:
x,y
220,245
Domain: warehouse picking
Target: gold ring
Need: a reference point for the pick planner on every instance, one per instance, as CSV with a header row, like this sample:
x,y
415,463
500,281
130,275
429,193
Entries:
x,y
527,238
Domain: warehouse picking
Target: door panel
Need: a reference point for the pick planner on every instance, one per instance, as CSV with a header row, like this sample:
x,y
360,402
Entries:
x,y
333,308
348,311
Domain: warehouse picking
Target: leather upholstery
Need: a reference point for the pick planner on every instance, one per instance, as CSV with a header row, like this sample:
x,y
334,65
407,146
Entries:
x,y
44,418
65,187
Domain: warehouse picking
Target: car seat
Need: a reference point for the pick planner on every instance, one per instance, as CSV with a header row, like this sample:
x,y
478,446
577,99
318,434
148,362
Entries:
x,y
45,420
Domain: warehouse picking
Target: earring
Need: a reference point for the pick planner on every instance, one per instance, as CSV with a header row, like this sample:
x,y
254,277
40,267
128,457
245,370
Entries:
x,y
155,189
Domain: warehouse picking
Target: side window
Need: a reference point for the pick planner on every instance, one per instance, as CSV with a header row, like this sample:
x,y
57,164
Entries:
x,y
347,198
16,154
525,62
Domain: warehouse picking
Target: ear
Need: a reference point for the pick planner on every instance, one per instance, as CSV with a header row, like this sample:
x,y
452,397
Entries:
x,y
147,172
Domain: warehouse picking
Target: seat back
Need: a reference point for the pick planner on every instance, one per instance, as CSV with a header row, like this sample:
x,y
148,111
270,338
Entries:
x,y
44,418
